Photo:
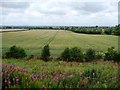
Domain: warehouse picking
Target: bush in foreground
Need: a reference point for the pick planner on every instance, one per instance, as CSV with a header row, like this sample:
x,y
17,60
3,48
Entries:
x,y
15,52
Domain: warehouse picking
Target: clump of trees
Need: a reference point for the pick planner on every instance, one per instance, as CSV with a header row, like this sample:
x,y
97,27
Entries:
x,y
15,52
97,30
76,54
117,30
69,54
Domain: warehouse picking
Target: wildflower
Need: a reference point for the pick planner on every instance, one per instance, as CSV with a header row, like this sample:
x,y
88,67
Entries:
x,y
62,75
13,79
5,81
17,80
70,76
55,79
8,75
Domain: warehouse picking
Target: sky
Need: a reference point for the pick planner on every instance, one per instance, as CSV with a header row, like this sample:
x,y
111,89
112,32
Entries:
x,y
59,12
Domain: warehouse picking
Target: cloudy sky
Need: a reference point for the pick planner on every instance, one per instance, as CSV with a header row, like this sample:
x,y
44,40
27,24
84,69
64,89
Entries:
x,y
59,12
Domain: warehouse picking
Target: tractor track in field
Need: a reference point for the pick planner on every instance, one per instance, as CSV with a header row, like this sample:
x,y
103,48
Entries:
x,y
49,41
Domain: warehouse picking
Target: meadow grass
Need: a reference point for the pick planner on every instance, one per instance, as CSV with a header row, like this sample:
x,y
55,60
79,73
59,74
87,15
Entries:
x,y
66,73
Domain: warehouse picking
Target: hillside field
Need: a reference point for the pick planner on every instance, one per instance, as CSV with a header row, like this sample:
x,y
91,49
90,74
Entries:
x,y
34,40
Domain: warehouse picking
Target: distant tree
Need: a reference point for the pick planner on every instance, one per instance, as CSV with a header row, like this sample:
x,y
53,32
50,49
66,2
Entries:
x,y
45,53
50,27
117,30
108,31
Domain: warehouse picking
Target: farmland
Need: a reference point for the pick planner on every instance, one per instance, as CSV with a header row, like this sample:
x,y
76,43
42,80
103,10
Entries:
x,y
34,40
33,73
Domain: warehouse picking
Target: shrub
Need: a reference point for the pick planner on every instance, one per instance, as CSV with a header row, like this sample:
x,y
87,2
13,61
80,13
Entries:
x,y
15,52
111,54
117,57
73,54
76,54
66,54
90,54
45,53
99,56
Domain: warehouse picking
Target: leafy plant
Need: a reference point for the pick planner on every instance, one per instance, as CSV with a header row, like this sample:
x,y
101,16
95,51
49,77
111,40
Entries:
x,y
110,54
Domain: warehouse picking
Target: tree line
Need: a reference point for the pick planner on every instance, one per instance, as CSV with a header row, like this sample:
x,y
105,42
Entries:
x,y
69,54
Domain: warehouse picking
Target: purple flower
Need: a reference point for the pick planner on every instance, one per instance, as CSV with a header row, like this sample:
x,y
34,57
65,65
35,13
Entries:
x,y
8,75
55,79
62,75
13,79
17,80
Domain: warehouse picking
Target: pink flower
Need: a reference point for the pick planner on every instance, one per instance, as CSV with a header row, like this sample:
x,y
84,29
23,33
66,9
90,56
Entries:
x,y
70,76
62,75
17,80
5,81
8,75
13,79
55,79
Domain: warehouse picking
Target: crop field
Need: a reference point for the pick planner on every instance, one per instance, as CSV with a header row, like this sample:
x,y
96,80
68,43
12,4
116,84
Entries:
x,y
34,40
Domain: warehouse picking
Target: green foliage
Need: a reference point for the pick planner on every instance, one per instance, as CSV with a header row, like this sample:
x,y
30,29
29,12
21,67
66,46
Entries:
x,y
90,54
15,52
66,54
76,54
117,30
45,53
93,75
73,54
110,54
108,31
99,56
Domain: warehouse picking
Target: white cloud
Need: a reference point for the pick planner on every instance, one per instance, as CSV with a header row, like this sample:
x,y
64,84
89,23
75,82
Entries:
x,y
59,12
